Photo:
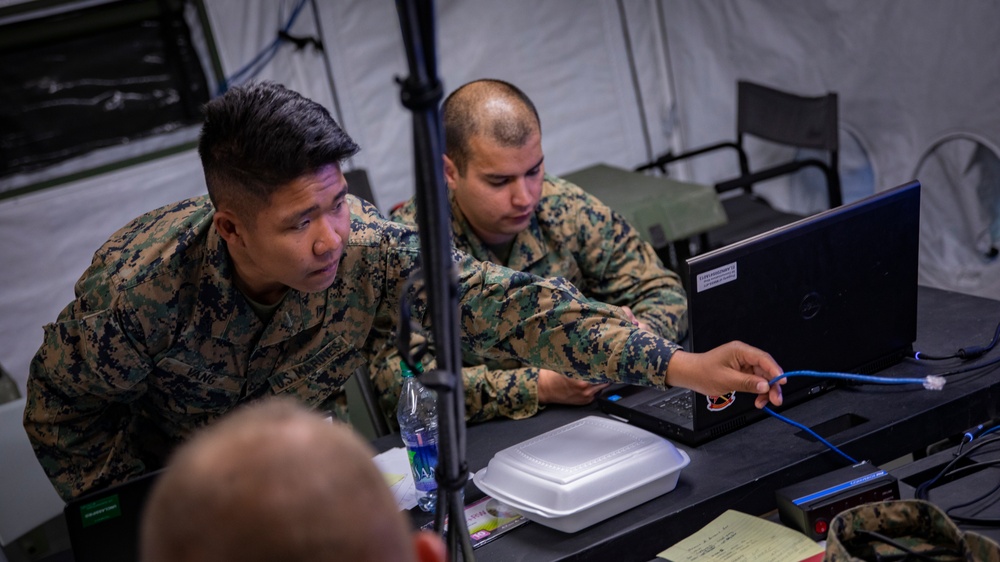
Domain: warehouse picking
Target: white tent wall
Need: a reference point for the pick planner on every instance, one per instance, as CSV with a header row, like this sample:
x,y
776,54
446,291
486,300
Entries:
x,y
572,59
47,239
909,73
243,28
954,252
604,74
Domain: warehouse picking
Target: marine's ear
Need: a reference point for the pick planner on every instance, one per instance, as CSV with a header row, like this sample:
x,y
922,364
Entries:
x,y
450,171
229,226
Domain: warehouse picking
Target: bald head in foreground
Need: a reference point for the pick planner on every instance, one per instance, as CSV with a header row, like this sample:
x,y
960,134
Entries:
x,y
274,481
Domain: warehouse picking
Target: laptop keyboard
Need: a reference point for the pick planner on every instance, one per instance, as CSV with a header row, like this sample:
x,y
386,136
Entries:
x,y
681,403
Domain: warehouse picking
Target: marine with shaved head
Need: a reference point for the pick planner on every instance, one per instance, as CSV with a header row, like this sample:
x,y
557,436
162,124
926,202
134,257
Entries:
x,y
505,209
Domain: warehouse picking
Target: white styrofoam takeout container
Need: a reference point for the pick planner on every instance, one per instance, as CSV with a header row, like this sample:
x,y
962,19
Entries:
x,y
582,473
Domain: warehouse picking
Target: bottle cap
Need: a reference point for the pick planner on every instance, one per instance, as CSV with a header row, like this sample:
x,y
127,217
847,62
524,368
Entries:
x,y
406,368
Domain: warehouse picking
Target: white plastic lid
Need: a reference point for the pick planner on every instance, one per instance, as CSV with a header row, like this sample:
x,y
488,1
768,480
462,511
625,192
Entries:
x,y
579,465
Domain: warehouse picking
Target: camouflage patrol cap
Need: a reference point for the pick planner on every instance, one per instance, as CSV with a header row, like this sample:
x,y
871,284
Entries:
x,y
915,524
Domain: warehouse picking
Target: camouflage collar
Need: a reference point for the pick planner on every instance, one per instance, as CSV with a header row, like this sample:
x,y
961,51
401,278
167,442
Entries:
x,y
298,312
229,314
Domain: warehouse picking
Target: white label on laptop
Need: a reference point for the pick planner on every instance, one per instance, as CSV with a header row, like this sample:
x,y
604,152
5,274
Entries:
x,y
716,277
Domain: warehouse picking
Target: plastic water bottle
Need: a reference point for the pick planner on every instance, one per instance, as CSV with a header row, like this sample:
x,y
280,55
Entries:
x,y
418,424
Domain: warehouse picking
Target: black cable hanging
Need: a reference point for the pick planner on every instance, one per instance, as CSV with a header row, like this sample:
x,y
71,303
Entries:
x,y
421,94
922,491
965,353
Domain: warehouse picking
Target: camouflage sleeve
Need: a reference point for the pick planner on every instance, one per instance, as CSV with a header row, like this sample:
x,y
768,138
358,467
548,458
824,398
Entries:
x,y
489,393
510,315
86,371
548,323
387,378
624,270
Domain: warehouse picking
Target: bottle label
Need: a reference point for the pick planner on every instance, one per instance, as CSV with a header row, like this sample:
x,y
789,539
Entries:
x,y
423,461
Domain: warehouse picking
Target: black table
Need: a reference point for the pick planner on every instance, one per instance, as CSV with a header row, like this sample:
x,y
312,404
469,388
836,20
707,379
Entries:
x,y
741,470
954,491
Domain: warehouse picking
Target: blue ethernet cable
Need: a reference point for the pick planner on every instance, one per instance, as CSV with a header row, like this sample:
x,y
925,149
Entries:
x,y
810,432
930,382
988,431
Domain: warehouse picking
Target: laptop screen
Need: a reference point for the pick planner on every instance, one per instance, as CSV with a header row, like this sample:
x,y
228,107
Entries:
x,y
833,292
836,291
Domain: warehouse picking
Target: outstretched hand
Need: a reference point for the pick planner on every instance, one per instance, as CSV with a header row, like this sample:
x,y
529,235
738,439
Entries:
x,y
732,366
555,388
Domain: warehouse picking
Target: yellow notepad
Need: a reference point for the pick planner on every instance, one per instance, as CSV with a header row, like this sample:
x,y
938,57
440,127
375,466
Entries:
x,y
738,537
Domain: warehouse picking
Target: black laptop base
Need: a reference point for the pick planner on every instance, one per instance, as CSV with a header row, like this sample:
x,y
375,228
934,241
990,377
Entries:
x,y
637,405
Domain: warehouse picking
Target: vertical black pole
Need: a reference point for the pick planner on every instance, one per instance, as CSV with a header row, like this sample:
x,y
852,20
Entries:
x,y
421,94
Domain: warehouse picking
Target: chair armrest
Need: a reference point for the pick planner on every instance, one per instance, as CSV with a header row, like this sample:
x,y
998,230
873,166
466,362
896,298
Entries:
x,y
747,180
661,161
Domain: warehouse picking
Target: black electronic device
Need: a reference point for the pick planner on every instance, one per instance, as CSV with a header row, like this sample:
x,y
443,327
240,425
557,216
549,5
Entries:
x,y
810,506
836,291
104,525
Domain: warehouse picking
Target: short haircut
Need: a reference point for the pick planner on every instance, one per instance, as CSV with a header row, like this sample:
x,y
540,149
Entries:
x,y
260,136
274,481
488,107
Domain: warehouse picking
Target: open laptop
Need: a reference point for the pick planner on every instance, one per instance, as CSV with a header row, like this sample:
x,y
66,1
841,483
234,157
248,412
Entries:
x,y
104,525
836,291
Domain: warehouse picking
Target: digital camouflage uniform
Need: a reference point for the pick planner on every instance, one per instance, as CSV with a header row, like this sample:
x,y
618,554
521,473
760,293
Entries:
x,y
160,342
574,236
916,524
